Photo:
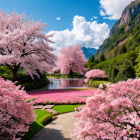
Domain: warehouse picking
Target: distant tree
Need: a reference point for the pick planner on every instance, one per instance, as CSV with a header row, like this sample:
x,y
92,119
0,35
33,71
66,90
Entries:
x,y
102,57
122,49
94,74
22,44
71,60
86,66
91,59
126,71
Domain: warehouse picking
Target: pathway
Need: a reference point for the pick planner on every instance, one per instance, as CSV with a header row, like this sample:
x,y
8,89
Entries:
x,y
58,129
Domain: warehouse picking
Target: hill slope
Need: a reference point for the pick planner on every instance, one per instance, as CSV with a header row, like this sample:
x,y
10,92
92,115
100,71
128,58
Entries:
x,y
125,31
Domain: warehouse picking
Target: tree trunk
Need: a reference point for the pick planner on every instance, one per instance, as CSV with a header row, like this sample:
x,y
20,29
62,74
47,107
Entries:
x,y
15,71
71,74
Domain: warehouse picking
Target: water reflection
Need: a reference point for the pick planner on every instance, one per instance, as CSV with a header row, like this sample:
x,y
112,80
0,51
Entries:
x,y
63,83
66,83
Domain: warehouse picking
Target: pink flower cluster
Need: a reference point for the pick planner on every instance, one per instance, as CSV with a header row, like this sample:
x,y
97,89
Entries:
x,y
113,113
94,74
15,113
60,95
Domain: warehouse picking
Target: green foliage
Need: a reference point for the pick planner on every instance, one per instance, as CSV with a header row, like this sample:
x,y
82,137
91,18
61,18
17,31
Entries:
x,y
5,72
130,38
31,100
37,84
36,125
102,57
137,66
45,119
65,108
121,65
93,83
68,101
91,59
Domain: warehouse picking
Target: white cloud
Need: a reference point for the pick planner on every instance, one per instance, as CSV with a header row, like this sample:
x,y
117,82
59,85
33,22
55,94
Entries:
x,y
95,17
105,17
91,18
102,13
88,34
113,8
58,18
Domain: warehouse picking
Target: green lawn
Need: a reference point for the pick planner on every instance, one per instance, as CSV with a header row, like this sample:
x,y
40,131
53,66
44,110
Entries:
x,y
65,108
36,125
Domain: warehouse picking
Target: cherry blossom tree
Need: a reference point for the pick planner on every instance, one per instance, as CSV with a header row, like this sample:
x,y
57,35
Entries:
x,y
112,113
23,44
96,73
71,60
15,113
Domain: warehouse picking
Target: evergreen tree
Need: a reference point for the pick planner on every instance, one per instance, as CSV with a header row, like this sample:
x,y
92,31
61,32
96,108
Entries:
x,y
126,71
91,59
102,57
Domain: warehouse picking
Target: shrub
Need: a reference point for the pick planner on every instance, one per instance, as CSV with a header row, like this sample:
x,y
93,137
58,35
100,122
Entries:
x,y
37,84
68,101
96,84
112,113
15,113
45,119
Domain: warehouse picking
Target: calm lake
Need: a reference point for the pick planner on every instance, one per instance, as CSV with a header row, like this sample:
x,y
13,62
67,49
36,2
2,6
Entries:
x,y
64,83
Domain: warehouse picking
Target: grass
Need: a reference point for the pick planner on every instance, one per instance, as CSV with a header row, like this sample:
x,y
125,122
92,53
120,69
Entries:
x,y
40,114
65,108
36,125
49,76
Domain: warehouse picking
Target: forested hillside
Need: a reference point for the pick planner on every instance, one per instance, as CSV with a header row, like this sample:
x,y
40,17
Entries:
x,y
119,54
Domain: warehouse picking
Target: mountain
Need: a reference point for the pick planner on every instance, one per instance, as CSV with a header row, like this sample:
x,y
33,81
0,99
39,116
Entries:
x,y
124,35
129,13
88,51
121,49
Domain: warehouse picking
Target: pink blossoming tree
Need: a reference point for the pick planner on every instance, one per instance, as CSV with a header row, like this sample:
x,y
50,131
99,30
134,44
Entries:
x,y
96,73
22,44
71,60
15,113
112,113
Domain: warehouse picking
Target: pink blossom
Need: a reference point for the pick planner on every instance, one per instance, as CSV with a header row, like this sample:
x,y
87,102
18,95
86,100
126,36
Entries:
x,y
111,114
24,45
71,59
15,113
61,95
95,73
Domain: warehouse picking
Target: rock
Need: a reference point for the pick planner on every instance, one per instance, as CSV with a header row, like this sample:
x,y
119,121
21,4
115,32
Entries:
x,y
38,107
48,107
53,112
129,13
54,117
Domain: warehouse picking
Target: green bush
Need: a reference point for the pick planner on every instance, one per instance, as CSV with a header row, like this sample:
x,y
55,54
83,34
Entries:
x,y
45,119
92,83
34,85
31,100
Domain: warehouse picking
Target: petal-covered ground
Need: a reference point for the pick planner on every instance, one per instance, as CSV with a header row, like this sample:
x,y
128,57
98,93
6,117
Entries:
x,y
59,95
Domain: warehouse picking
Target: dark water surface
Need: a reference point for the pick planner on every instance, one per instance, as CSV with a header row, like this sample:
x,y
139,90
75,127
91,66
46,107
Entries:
x,y
64,83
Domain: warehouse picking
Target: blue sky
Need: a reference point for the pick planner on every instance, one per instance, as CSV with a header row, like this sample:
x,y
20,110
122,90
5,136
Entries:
x,y
84,21
49,10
